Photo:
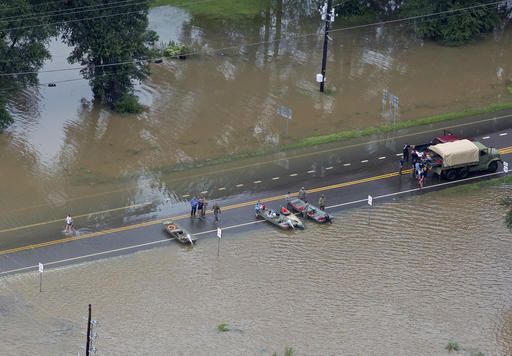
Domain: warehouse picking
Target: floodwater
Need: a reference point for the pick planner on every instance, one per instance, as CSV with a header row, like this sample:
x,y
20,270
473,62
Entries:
x,y
66,154
425,271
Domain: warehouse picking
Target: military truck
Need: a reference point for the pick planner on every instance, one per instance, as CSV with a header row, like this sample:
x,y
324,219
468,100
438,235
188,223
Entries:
x,y
457,159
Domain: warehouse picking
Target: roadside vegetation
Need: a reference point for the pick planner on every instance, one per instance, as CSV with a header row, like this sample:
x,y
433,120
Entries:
x,y
218,9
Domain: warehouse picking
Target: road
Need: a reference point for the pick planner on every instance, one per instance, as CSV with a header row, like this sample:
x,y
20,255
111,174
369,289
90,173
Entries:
x,y
345,174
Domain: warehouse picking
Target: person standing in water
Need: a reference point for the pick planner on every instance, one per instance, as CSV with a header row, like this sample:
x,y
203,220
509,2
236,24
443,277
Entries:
x,y
70,227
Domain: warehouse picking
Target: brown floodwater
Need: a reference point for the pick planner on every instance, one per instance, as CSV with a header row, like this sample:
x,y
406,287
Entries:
x,y
64,153
427,270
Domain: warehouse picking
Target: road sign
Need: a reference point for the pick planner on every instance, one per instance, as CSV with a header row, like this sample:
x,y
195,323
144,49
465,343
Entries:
x,y
219,233
505,167
284,112
41,267
370,200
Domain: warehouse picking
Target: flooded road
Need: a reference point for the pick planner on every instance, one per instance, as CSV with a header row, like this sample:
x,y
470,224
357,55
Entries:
x,y
66,154
426,270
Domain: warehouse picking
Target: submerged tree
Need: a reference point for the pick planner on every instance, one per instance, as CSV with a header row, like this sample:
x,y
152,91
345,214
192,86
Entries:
x,y
461,21
113,43
23,41
507,203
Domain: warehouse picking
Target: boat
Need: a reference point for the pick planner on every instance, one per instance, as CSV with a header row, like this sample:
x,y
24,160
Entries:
x,y
179,233
312,212
275,218
297,223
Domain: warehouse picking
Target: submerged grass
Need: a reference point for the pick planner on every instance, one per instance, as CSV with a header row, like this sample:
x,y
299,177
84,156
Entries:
x,y
346,135
223,327
217,9
471,187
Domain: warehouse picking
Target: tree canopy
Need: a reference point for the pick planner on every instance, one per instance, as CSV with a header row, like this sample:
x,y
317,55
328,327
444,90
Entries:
x,y
108,39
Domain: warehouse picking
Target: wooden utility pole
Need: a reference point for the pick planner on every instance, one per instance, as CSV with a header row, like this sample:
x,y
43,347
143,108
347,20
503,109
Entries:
x,y
88,341
328,17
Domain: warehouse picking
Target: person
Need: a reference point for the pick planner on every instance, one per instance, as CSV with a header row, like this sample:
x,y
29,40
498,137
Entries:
x,y
414,156
302,194
305,211
405,152
205,206
401,166
200,204
421,178
193,206
69,224
257,207
216,211
321,202
288,196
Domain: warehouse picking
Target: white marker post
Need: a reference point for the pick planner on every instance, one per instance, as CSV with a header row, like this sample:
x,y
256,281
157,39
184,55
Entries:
x,y
41,270
219,235
505,170
370,203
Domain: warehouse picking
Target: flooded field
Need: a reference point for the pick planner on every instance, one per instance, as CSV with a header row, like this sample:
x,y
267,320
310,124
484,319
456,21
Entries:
x,y
66,154
426,271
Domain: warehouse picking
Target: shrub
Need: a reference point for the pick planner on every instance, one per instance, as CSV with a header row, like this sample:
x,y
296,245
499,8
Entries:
x,y
223,327
128,104
452,346
176,50
5,118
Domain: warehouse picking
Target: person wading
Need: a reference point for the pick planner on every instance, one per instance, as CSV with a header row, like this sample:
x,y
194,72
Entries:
x,y
216,212
193,207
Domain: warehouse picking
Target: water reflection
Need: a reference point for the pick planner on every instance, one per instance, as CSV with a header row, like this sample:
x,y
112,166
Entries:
x,y
221,103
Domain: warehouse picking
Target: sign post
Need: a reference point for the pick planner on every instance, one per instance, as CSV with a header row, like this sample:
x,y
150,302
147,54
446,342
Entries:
x,y
41,270
219,235
370,203
286,113
505,170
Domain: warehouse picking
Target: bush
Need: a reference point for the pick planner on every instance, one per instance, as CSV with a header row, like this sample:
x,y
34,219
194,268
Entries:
x,y
223,327
5,118
128,104
176,50
452,346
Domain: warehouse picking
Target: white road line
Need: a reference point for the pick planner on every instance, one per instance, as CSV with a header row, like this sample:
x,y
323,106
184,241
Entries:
x,y
364,161
293,175
383,157
223,188
204,192
328,168
275,178
346,165
257,182
248,223
90,255
312,171
503,134
185,196
239,185
399,154
486,137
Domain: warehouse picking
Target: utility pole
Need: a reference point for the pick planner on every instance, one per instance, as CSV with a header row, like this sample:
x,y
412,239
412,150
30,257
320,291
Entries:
x,y
88,340
327,13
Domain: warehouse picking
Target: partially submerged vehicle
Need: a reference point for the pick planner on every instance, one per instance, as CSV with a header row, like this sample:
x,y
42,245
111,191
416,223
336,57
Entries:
x,y
181,235
309,211
275,218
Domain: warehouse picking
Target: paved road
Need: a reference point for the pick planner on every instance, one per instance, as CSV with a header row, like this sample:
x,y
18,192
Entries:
x,y
345,174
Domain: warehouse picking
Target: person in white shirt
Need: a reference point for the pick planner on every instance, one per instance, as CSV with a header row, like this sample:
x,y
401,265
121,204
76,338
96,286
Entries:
x,y
69,224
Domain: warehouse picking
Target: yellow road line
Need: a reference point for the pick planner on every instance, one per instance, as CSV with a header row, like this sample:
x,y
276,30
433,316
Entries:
x,y
182,216
505,150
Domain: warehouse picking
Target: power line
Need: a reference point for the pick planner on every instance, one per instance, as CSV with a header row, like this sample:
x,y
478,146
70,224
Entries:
x,y
453,12
65,12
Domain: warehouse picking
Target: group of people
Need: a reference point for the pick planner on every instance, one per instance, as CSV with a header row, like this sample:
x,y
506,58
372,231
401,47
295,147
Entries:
x,y
200,205
419,165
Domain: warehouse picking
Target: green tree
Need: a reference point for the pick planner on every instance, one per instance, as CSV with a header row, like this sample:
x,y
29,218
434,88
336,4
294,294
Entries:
x,y
23,47
454,28
116,35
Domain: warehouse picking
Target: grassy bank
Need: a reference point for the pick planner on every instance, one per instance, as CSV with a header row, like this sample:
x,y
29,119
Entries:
x,y
341,136
471,187
216,9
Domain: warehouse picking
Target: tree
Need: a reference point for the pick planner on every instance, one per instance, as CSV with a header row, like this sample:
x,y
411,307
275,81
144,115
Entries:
x,y
22,48
116,35
452,28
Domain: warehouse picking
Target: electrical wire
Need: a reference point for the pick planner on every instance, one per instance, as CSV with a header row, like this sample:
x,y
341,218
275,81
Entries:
x,y
66,12
453,12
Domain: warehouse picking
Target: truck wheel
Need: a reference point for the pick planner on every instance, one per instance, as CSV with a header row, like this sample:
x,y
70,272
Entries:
x,y
493,167
451,175
463,173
